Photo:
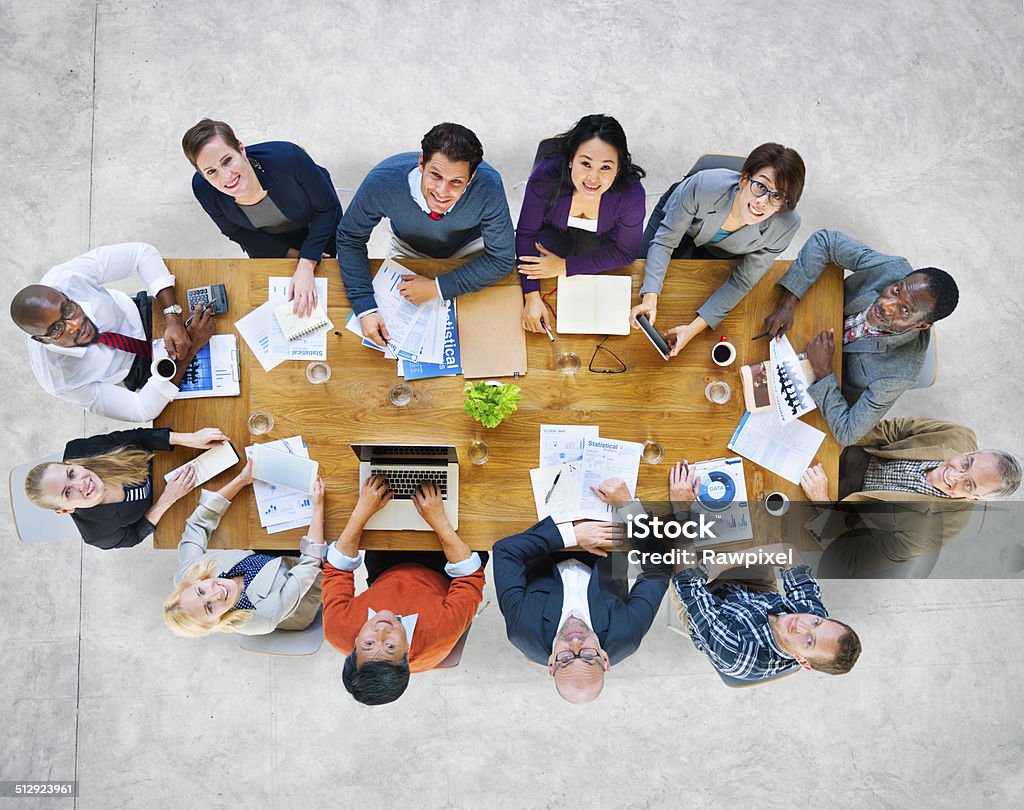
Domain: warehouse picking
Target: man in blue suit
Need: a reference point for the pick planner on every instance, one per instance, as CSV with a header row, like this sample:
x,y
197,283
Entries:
x,y
575,612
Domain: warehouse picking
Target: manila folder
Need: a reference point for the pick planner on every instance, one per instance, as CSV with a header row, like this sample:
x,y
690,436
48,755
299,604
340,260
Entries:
x,y
491,336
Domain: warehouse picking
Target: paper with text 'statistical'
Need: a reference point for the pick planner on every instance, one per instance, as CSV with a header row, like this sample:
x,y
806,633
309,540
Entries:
x,y
561,443
785,449
606,458
282,508
451,363
311,346
556,490
788,381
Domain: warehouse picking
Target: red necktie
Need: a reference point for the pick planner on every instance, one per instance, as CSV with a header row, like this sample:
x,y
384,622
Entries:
x,y
125,343
434,215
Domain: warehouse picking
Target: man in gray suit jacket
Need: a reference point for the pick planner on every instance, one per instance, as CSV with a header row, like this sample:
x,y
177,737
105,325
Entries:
x,y
888,311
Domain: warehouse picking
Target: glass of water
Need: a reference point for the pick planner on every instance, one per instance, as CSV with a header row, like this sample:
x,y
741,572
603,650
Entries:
x,y
653,452
568,362
400,395
318,372
260,422
479,452
718,392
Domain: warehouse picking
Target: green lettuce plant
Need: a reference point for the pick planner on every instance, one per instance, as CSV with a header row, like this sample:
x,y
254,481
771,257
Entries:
x,y
490,404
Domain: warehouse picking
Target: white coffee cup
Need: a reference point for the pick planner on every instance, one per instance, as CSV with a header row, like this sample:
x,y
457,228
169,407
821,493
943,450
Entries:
x,y
164,368
776,503
723,353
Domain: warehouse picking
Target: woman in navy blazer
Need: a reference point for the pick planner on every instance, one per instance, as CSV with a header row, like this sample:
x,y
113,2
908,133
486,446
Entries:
x,y
271,199
583,211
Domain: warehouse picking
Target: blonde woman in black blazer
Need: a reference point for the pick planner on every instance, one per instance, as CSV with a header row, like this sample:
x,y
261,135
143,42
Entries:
x,y
105,483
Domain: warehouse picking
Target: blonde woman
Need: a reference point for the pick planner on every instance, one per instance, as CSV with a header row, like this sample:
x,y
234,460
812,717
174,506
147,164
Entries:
x,y
105,483
238,591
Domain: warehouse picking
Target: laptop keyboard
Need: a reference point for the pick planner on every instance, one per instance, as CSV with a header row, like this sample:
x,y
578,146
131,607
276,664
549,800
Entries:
x,y
403,482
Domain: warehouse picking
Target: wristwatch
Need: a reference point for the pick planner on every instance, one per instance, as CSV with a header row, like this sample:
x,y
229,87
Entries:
x,y
174,309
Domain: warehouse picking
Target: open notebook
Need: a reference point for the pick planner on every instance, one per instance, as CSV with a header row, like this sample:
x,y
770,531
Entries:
x,y
594,305
294,327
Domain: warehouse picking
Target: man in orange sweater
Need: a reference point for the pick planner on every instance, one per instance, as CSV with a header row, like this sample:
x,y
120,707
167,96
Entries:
x,y
416,605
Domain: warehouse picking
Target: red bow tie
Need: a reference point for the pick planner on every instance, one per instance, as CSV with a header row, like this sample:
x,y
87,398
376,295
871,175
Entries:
x,y
434,215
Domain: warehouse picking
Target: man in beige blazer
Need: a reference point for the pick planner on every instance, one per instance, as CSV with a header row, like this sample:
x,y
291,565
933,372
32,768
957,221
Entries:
x,y
915,478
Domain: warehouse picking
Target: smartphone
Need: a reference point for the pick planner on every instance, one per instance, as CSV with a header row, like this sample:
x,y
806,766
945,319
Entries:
x,y
652,335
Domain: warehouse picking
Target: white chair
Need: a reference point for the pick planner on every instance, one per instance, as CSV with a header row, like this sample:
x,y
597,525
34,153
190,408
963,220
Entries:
x,y
35,525
288,642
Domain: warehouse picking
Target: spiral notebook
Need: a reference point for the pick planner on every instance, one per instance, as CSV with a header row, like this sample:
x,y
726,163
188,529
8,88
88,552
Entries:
x,y
294,327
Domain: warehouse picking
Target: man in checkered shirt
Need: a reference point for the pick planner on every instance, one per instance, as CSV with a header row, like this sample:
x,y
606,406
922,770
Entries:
x,y
752,634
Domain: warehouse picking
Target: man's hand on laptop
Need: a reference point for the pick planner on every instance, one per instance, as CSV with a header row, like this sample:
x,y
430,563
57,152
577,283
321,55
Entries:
x,y
428,502
374,329
375,493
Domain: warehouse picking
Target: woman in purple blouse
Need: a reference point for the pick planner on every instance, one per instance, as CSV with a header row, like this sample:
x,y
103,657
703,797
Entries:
x,y
583,213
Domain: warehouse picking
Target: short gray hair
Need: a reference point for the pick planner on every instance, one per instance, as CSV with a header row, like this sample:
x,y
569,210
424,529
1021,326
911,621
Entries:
x,y
1009,472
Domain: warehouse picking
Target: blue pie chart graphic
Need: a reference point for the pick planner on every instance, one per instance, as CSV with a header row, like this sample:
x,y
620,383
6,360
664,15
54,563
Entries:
x,y
717,490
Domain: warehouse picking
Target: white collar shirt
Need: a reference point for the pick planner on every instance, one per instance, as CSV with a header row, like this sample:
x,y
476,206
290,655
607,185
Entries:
x,y
575,582
89,376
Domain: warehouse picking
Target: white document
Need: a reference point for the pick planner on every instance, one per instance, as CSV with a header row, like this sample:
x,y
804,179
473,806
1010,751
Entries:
x,y
557,498
594,305
213,372
311,346
785,449
402,317
561,443
788,381
280,505
606,458
255,331
722,498
353,326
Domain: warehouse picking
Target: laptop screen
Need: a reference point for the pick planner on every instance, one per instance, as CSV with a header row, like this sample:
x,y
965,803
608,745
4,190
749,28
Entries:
x,y
391,453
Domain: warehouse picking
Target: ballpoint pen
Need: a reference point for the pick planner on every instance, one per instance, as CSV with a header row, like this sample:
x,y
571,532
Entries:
x,y
758,337
548,496
188,320
546,329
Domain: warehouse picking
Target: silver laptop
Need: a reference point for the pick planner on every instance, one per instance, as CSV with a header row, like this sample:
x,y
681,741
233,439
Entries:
x,y
405,466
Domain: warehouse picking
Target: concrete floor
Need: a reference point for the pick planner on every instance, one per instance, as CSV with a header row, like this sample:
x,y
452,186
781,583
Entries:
x,y
908,117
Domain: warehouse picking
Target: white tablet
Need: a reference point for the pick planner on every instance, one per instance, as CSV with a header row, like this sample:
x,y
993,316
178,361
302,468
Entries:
x,y
210,463
283,469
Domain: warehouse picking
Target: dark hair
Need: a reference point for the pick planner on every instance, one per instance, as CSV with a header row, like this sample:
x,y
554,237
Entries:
x,y
455,142
202,133
846,655
787,165
608,130
378,682
943,289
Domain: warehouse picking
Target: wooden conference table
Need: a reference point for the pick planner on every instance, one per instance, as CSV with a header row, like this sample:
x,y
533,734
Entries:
x,y
651,400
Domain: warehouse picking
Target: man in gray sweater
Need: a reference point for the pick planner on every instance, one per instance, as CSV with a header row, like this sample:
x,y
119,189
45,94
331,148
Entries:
x,y
443,203
888,312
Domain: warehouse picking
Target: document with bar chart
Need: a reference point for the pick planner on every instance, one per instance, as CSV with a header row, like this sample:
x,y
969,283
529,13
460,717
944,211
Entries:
x,y
212,373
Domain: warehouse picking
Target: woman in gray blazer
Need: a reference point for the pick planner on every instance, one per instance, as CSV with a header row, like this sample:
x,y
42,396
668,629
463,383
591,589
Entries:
x,y
233,590
719,214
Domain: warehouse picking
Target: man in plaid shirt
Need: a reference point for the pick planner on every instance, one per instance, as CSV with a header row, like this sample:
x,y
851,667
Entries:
x,y
752,635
